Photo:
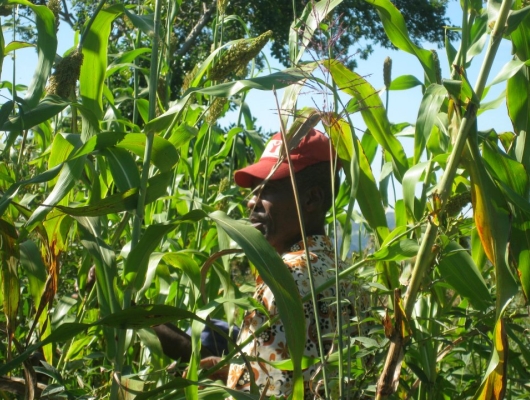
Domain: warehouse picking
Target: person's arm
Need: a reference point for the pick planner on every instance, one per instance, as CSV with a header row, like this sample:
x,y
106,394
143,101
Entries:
x,y
176,344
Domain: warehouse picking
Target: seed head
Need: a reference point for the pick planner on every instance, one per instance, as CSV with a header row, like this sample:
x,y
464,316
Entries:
x,y
221,5
238,56
55,8
216,110
62,82
387,72
437,68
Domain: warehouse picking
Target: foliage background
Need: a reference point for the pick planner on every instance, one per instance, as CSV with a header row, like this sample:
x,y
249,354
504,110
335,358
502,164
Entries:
x,y
101,177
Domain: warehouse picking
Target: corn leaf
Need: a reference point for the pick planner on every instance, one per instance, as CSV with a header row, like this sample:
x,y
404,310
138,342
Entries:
x,y
396,30
458,269
428,113
46,49
372,111
494,385
278,278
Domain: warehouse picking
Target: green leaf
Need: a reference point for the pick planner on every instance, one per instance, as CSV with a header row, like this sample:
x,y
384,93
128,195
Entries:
x,y
428,113
123,201
508,70
396,30
458,269
94,66
411,179
49,107
404,82
136,265
397,251
277,277
70,172
123,168
372,111
369,199
46,49
16,45
164,154
518,100
520,251
13,189
31,262
313,14
276,80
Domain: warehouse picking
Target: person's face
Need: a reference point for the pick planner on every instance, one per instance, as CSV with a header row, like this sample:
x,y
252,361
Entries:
x,y
273,212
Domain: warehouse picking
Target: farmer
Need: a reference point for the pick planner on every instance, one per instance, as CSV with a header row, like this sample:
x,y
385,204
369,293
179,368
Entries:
x,y
273,212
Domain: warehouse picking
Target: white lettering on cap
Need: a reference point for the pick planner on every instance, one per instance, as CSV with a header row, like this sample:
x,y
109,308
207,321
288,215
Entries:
x,y
273,149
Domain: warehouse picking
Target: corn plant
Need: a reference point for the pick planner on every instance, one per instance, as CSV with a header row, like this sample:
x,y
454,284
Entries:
x,y
118,210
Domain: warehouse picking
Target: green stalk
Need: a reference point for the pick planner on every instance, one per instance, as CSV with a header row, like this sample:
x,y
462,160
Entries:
x,y
136,78
425,255
140,209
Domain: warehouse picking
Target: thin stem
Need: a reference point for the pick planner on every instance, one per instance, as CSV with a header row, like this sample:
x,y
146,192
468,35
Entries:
x,y
425,254
307,255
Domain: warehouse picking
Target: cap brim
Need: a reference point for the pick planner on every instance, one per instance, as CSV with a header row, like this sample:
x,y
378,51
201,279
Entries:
x,y
247,176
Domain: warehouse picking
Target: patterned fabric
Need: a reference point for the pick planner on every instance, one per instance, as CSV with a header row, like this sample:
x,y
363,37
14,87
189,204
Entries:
x,y
271,345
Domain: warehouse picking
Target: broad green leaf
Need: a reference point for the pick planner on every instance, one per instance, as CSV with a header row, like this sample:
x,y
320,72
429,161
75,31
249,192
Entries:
x,y
411,179
520,251
508,171
46,49
369,199
313,14
345,143
276,80
94,66
123,201
16,45
277,277
31,262
458,269
125,58
106,276
404,82
518,100
508,70
136,264
396,30
123,168
70,172
430,106
164,154
13,189
49,107
515,18
399,250
372,111
492,221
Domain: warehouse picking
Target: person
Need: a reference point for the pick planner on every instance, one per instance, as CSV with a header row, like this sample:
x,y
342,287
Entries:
x,y
273,212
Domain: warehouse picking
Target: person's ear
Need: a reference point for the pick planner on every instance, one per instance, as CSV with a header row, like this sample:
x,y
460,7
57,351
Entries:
x,y
314,199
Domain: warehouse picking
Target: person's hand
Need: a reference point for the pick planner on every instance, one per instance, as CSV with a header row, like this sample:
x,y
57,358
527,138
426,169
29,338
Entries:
x,y
209,362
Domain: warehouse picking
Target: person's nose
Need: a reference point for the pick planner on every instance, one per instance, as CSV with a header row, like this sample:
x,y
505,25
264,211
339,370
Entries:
x,y
253,202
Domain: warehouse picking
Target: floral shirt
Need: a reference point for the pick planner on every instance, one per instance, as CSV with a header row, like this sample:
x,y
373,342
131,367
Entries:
x,y
271,345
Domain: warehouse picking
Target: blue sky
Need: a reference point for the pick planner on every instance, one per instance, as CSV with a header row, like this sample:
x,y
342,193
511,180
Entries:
x,y
403,106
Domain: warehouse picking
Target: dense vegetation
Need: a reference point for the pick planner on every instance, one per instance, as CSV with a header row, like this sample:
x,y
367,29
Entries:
x,y
118,211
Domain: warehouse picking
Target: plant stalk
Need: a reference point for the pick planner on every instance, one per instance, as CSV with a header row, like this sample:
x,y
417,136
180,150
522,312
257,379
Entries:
x,y
306,249
425,255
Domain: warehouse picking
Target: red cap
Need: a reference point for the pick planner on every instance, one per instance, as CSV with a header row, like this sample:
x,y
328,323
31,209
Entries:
x,y
312,149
